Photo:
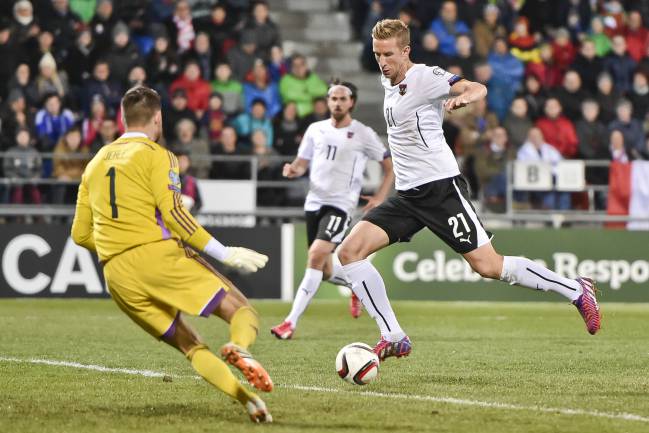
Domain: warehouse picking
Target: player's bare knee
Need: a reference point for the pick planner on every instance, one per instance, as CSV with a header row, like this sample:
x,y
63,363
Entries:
x,y
317,258
350,253
486,269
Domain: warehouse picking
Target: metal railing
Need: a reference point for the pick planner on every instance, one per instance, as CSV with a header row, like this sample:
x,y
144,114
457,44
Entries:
x,y
512,215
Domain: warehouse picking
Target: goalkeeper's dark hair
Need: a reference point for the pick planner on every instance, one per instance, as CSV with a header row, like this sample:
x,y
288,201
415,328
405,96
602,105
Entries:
x,y
139,105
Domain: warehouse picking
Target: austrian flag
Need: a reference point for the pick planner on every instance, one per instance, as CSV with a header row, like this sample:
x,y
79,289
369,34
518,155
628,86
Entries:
x,y
629,192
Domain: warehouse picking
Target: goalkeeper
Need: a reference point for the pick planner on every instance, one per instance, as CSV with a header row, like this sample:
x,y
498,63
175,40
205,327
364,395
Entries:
x,y
130,213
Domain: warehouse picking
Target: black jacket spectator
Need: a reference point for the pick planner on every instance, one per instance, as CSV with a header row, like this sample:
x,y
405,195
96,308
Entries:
x,y
262,29
102,84
162,64
63,24
123,54
7,54
102,24
220,27
81,59
588,66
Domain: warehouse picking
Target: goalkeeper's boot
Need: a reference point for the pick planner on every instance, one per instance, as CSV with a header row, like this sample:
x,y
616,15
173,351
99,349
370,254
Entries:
x,y
258,411
385,349
355,306
283,331
587,305
255,374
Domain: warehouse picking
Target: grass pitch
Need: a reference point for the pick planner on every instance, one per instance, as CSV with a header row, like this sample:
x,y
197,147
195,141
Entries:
x,y
510,367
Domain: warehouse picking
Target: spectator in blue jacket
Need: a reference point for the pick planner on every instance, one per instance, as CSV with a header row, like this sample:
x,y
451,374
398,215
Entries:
x,y
447,27
261,87
51,123
247,123
507,73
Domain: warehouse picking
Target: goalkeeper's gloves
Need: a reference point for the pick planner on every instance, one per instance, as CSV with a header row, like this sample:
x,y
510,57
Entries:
x,y
236,257
245,259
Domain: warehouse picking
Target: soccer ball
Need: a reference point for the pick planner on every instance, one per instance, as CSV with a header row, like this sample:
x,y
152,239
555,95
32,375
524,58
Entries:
x,y
356,363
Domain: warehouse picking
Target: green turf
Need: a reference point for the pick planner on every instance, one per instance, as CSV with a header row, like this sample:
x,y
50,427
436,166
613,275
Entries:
x,y
521,354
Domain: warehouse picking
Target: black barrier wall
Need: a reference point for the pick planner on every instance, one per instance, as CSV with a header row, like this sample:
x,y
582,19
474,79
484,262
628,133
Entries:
x,y
43,261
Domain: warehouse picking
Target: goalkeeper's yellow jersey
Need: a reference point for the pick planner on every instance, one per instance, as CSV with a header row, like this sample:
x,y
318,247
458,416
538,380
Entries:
x,y
129,196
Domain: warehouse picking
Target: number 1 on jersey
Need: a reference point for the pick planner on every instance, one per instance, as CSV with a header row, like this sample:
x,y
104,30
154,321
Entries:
x,y
113,205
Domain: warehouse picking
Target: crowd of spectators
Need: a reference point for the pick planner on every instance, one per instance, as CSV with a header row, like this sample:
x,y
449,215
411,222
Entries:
x,y
227,87
566,79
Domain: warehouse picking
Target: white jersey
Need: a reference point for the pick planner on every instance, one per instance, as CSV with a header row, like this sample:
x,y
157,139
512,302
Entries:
x,y
338,157
414,111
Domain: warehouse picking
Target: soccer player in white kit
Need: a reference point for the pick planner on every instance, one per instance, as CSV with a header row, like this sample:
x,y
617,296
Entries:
x,y
432,193
336,150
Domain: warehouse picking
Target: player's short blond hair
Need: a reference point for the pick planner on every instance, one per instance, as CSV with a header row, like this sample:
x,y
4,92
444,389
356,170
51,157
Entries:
x,y
386,29
139,105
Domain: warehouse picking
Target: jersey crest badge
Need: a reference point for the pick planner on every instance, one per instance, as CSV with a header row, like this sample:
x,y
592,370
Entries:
x,y
350,134
402,89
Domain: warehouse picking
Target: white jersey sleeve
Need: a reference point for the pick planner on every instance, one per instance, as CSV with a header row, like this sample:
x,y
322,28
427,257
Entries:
x,y
374,147
438,83
305,151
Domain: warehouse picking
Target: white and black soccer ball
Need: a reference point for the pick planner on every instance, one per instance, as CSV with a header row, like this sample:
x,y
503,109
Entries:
x,y
356,363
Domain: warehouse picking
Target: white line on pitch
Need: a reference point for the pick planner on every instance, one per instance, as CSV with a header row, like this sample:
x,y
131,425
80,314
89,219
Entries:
x,y
448,400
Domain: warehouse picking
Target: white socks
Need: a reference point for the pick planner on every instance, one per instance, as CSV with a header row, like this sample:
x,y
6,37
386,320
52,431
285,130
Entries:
x,y
308,287
368,285
524,272
338,276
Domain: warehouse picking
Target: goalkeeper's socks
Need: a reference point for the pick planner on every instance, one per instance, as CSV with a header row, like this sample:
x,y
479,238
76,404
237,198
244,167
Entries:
x,y
217,372
244,327
308,288
368,285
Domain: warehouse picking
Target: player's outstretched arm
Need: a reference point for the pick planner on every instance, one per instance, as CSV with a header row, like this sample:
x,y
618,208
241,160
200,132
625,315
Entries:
x,y
463,93
297,168
165,185
82,230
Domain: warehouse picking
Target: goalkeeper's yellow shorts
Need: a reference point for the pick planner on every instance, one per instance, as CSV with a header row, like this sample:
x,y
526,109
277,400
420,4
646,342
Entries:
x,y
154,282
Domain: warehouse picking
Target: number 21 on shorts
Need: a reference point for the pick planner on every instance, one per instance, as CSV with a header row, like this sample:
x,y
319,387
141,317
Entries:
x,y
454,222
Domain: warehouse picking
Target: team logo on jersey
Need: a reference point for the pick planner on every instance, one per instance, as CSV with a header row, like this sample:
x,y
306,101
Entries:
x,y
350,134
402,89
438,71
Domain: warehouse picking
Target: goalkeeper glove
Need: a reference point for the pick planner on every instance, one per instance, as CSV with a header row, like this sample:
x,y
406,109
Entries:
x,y
244,259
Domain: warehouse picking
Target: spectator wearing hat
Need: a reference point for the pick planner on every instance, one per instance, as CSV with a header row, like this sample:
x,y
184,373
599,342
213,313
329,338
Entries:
x,y
620,65
176,112
101,83
7,54
229,87
263,29
446,27
70,159
301,86
241,58
486,29
49,79
247,123
25,25
23,162
123,54
260,87
188,142
162,63
198,90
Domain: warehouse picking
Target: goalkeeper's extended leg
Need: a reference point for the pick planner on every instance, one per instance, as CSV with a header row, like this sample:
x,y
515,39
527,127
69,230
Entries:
x,y
215,371
244,327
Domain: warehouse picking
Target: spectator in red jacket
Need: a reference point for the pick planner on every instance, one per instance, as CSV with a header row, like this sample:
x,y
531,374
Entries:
x,y
563,51
197,89
557,129
637,37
